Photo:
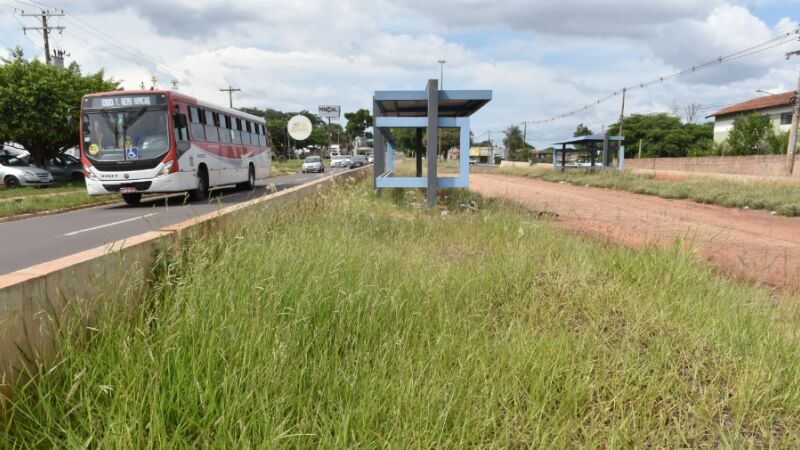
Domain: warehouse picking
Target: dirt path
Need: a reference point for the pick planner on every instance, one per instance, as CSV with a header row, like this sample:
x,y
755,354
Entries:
x,y
753,245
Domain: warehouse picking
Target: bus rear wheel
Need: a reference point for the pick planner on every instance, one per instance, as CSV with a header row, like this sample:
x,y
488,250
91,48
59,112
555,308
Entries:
x,y
201,193
250,184
132,199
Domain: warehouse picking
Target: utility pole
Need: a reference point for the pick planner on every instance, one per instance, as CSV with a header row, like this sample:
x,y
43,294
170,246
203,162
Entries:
x,y
230,92
525,135
45,29
622,111
441,73
792,150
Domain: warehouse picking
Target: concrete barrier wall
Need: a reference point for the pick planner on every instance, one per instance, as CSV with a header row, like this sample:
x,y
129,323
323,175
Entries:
x,y
752,165
63,296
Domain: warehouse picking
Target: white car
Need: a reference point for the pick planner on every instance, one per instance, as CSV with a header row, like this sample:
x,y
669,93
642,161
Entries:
x,y
313,164
17,171
338,161
370,159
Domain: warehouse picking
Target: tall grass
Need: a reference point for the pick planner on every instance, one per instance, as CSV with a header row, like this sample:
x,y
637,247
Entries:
x,y
784,199
348,322
38,203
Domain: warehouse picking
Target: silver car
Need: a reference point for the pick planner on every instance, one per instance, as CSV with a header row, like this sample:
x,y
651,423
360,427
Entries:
x,y
16,171
338,161
313,164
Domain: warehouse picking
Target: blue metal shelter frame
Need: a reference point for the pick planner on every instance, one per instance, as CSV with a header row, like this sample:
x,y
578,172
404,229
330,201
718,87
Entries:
x,y
431,109
590,143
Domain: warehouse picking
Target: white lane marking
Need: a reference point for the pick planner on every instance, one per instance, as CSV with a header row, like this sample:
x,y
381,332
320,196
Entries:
x,y
110,224
302,179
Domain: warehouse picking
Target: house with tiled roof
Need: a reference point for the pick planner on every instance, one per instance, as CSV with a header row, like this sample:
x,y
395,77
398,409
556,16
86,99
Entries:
x,y
778,107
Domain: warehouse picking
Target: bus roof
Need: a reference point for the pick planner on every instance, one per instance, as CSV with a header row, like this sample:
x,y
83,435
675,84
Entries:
x,y
185,98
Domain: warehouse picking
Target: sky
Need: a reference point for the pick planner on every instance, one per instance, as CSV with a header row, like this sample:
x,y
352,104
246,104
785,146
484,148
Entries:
x,y
540,58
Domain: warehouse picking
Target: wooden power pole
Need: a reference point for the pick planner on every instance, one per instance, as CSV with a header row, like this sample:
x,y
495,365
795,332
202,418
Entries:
x,y
230,92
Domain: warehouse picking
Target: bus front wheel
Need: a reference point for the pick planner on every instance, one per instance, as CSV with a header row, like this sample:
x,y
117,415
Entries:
x,y
132,199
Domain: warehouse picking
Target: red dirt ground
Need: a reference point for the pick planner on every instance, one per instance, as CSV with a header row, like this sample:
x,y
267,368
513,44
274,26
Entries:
x,y
747,244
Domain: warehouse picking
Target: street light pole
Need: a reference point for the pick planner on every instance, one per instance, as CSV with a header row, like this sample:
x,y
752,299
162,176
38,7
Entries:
x,y
792,150
441,73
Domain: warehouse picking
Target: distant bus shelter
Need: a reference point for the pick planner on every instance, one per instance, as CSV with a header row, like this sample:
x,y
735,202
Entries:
x,y
431,109
590,152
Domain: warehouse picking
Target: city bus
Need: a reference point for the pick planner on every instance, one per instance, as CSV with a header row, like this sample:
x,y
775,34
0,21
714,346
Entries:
x,y
138,142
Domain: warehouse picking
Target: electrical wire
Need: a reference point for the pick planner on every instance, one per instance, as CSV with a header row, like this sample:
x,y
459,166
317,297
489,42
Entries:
x,y
773,42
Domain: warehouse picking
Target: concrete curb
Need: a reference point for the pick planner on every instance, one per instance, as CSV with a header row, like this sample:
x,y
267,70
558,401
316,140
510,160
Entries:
x,y
37,303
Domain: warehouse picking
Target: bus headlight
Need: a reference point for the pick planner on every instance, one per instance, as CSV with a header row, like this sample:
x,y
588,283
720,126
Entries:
x,y
90,174
166,170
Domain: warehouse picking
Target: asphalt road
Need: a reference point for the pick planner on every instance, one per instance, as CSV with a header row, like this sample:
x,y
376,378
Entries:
x,y
36,240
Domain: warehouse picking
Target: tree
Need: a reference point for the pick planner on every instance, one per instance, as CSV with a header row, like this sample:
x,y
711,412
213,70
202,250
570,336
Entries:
x,y
357,124
750,135
513,140
664,135
36,99
582,130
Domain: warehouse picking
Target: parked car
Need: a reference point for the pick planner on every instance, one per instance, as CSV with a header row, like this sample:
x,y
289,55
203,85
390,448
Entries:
x,y
348,159
358,161
313,164
17,171
65,168
338,161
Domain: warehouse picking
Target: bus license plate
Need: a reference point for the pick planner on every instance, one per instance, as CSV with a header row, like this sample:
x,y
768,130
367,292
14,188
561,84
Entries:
x,y
128,190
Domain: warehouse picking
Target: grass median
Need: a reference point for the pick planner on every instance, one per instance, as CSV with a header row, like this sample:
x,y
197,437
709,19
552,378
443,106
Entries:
x,y
40,203
286,167
343,321
784,199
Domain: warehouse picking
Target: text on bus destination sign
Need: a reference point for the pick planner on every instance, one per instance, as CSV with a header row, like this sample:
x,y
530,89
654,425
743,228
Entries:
x,y
116,102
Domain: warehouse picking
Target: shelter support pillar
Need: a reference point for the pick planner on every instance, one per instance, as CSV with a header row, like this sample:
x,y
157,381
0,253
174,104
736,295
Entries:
x,y
418,150
433,138
378,149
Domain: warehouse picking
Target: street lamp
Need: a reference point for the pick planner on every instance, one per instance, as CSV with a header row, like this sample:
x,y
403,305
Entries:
x,y
761,91
441,73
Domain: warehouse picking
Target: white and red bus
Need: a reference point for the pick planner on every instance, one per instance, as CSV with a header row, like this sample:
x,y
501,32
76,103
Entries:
x,y
137,142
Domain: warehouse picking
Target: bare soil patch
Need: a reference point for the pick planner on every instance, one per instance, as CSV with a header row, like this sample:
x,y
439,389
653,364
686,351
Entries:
x,y
747,244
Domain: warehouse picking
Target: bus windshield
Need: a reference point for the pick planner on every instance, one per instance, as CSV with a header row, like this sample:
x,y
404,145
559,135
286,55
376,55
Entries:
x,y
125,135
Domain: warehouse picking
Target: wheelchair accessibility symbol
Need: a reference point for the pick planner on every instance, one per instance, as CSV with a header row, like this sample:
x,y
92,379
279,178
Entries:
x,y
133,153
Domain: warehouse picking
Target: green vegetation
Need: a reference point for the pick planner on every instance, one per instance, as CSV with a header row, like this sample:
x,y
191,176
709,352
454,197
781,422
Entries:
x,y
37,203
56,188
342,322
35,101
664,135
754,134
283,166
781,198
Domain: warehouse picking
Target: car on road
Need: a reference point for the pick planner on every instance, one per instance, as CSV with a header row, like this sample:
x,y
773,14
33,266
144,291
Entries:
x,y
370,159
17,171
358,161
348,159
313,164
65,168
338,161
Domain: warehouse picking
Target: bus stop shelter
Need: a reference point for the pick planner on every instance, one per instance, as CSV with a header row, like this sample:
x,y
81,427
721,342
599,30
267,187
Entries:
x,y
590,145
431,109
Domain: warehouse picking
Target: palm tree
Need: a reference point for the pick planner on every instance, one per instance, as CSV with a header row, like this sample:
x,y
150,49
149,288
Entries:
x,y
513,140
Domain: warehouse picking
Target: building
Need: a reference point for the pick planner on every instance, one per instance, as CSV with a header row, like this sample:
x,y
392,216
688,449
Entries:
x,y
778,107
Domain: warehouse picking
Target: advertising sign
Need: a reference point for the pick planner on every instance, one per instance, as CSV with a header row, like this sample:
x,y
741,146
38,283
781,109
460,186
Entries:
x,y
329,111
299,127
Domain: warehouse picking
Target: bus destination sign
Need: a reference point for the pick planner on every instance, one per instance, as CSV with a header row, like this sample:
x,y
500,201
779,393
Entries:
x,y
125,101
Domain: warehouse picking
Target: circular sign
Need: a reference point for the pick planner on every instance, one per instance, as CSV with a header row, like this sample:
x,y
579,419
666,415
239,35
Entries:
x,y
299,127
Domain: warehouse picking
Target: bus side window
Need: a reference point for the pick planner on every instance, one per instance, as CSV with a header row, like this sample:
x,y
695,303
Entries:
x,y
246,135
198,133
238,132
225,129
212,133
181,130
262,138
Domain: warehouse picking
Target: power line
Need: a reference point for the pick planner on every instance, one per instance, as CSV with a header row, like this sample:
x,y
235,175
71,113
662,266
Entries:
x,y
45,29
773,42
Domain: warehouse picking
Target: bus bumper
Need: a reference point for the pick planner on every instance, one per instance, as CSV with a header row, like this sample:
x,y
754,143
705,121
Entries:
x,y
174,182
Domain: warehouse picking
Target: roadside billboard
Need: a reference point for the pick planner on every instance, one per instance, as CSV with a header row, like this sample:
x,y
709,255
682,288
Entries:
x,y
329,111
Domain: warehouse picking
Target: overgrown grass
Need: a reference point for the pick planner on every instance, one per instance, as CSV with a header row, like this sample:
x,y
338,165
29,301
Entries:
x,y
784,199
344,322
286,167
38,203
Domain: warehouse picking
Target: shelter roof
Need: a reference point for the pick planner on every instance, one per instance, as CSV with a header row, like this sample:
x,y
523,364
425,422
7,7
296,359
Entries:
x,y
456,103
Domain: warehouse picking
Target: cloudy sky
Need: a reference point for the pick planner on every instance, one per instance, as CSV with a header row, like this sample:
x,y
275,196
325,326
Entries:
x,y
540,57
